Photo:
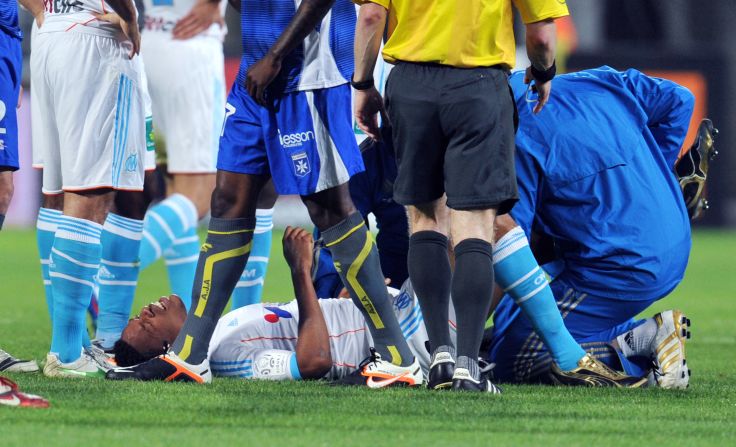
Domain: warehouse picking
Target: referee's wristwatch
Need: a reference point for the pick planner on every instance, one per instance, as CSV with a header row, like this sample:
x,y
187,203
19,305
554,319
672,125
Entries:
x,y
543,76
361,85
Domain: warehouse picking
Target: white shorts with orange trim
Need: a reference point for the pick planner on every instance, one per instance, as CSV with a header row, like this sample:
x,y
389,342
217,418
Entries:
x,y
187,84
88,119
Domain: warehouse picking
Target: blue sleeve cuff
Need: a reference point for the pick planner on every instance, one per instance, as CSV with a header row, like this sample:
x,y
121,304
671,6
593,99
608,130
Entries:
x,y
294,367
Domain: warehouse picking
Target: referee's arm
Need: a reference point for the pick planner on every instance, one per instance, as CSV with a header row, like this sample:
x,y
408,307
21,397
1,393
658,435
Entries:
x,y
540,47
368,35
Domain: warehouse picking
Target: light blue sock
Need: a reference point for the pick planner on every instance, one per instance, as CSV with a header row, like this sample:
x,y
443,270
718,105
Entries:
x,y
46,226
164,223
518,273
249,288
181,263
118,276
75,259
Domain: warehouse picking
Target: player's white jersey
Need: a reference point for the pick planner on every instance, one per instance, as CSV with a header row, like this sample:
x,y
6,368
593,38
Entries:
x,y
259,341
160,17
77,16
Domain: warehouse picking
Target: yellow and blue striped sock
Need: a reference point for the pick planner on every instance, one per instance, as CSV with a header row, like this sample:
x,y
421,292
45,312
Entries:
x,y
75,259
519,275
118,275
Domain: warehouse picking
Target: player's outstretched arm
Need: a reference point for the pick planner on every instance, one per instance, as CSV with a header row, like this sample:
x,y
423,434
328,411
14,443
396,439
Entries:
x,y
540,47
313,344
262,73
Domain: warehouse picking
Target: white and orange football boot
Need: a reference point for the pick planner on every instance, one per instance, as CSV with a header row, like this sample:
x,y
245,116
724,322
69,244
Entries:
x,y
374,372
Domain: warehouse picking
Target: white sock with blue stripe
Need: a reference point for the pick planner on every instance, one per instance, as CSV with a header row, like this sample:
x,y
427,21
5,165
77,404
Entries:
x,y
46,226
165,223
75,259
249,288
181,263
118,276
519,275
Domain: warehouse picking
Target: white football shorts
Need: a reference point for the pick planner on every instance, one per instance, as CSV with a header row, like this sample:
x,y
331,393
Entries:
x,y
186,80
88,120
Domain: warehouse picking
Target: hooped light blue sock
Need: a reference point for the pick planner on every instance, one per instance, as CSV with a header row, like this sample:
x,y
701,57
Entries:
x,y
118,275
165,223
181,264
75,260
249,288
519,275
46,226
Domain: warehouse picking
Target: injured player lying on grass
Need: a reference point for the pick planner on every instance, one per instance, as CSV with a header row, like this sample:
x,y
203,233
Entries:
x,y
304,339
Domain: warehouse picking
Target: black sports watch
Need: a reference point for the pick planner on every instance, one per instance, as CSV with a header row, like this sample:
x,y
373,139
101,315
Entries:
x,y
361,85
543,76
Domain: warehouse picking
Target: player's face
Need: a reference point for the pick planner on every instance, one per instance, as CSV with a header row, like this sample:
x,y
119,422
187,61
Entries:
x,y
157,324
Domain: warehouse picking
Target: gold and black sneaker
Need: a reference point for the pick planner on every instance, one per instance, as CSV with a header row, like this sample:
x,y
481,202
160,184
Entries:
x,y
591,372
692,169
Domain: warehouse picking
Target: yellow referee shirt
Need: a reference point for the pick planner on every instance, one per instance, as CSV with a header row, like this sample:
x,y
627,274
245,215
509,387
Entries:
x,y
461,33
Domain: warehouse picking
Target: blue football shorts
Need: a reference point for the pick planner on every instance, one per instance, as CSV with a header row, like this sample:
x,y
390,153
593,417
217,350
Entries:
x,y
11,62
304,139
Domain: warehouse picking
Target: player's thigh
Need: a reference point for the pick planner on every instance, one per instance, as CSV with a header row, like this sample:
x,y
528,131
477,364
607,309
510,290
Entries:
x,y
418,140
310,141
10,70
190,104
101,127
44,130
477,115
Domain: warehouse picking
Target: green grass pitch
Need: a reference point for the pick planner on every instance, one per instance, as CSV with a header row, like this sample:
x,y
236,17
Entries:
x,y
235,412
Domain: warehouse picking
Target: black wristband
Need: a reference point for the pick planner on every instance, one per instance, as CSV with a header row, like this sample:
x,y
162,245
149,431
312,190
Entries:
x,y
546,75
361,85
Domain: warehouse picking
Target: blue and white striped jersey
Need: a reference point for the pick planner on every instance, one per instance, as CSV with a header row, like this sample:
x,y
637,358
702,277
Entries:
x,y
325,57
9,18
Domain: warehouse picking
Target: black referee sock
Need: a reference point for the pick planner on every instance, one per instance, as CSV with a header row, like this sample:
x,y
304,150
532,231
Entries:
x,y
2,219
356,260
472,290
429,270
221,262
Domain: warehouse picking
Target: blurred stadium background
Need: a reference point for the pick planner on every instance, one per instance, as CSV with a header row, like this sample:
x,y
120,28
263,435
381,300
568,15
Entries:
x,y
682,40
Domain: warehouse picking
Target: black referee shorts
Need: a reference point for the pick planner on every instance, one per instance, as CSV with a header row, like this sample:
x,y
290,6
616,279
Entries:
x,y
453,132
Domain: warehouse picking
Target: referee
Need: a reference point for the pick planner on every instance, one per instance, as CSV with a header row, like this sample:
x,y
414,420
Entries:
x,y
452,115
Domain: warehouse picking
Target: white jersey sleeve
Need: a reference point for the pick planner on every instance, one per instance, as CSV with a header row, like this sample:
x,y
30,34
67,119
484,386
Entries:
x,y
252,362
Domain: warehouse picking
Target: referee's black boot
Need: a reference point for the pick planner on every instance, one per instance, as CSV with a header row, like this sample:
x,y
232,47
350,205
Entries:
x,y
463,381
441,371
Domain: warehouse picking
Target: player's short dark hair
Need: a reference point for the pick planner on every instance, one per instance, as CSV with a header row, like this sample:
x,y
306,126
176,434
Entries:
x,y
127,355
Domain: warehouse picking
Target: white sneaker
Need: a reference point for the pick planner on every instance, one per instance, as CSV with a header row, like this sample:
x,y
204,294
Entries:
x,y
375,372
8,363
84,367
668,351
103,360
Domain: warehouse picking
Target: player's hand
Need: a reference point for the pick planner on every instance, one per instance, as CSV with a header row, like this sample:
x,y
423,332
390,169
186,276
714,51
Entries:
x,y
129,29
40,17
260,75
203,14
20,98
542,90
368,104
298,245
